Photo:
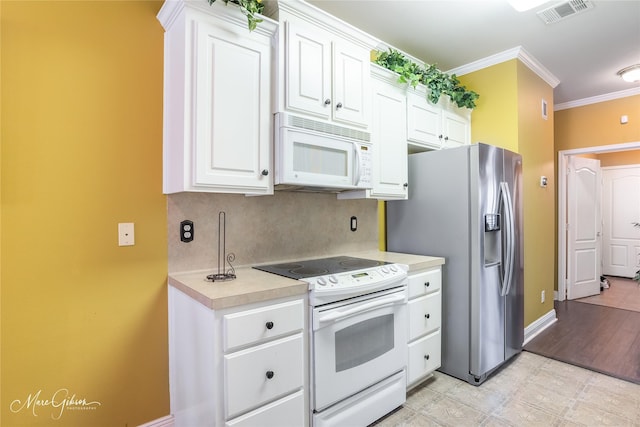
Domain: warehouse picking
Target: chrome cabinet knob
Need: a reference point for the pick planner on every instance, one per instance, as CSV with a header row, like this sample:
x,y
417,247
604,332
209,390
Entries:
x,y
265,172
327,101
338,105
270,374
269,325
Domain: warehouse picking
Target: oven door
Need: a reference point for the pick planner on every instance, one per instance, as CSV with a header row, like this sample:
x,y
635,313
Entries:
x,y
357,343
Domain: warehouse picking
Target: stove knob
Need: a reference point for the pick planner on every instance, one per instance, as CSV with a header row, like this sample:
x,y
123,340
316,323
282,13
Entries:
x,y
393,268
333,279
322,282
385,270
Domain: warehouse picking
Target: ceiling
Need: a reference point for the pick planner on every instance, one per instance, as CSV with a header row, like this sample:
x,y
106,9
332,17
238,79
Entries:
x,y
583,51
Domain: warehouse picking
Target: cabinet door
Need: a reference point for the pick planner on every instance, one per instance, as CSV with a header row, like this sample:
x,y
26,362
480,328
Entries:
x,y
308,71
424,357
389,142
260,374
423,121
456,130
232,111
351,84
286,412
425,314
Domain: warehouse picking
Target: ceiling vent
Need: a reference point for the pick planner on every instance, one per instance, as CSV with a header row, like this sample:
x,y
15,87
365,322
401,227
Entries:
x,y
564,10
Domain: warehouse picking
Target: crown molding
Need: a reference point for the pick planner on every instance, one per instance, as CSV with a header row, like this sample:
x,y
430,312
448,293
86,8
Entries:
x,y
515,53
595,99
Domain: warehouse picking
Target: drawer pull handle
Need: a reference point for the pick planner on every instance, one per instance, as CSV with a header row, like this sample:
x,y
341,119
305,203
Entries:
x,y
269,374
426,357
427,284
426,316
269,325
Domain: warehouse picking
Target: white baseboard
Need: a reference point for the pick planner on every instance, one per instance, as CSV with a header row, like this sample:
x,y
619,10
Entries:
x,y
539,325
160,422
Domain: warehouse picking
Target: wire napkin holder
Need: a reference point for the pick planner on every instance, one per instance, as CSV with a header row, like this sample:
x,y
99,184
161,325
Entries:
x,y
223,257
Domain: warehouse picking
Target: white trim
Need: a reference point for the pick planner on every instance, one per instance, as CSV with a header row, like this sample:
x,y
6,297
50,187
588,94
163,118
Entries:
x,y
599,98
515,53
167,421
539,325
563,160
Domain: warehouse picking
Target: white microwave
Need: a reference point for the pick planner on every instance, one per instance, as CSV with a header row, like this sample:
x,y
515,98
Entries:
x,y
319,156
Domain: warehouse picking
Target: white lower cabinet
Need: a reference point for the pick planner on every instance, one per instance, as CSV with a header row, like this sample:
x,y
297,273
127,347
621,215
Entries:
x,y
241,366
286,412
262,373
425,317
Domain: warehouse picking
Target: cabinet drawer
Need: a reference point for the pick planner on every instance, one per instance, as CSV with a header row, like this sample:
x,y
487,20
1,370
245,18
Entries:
x,y
425,315
424,283
424,357
286,412
253,326
247,382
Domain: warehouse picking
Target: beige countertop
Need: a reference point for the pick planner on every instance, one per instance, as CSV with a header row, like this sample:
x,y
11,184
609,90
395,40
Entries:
x,y
253,285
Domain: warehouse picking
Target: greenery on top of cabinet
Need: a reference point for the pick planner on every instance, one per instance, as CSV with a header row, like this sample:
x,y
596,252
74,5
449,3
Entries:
x,y
436,81
249,8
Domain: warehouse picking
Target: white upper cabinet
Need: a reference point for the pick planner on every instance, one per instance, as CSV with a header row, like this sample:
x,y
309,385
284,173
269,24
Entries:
x,y
325,67
436,126
388,139
217,99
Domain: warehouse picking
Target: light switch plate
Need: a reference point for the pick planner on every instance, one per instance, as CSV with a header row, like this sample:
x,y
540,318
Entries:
x,y
126,234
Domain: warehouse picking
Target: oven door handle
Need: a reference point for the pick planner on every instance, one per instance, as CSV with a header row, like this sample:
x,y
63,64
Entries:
x,y
377,303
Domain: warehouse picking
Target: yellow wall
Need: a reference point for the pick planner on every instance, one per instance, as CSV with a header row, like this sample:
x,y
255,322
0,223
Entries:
x,y
509,115
619,158
598,124
535,142
495,119
81,114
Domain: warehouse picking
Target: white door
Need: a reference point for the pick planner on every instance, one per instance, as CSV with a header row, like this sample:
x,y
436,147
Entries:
x,y
308,75
389,142
455,130
583,227
232,106
621,210
351,84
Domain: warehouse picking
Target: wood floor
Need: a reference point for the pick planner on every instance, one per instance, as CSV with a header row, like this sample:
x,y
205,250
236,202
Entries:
x,y
622,293
596,337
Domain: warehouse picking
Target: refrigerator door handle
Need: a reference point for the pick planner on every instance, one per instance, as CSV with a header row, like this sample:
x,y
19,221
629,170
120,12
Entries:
x,y
510,232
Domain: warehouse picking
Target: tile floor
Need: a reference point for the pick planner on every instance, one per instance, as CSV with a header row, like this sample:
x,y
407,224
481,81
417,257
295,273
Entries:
x,y
530,391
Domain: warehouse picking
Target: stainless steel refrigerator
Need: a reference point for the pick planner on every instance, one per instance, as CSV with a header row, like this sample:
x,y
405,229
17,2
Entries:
x,y
465,204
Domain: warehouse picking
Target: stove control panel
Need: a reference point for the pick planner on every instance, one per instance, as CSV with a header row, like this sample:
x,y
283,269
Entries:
x,y
358,278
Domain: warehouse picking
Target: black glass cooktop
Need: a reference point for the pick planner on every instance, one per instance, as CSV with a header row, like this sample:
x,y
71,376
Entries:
x,y
319,267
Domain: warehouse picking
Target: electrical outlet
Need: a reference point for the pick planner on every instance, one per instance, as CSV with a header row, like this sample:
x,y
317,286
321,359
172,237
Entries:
x,y
542,296
126,235
186,231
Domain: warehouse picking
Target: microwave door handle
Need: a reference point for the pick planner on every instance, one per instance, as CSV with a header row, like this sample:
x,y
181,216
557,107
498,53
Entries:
x,y
358,160
337,314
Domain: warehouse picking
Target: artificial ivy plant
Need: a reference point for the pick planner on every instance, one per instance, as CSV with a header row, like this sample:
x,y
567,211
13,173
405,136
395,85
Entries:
x,y
249,8
436,81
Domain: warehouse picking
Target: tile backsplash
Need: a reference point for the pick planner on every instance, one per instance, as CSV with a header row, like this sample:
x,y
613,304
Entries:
x,y
263,229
